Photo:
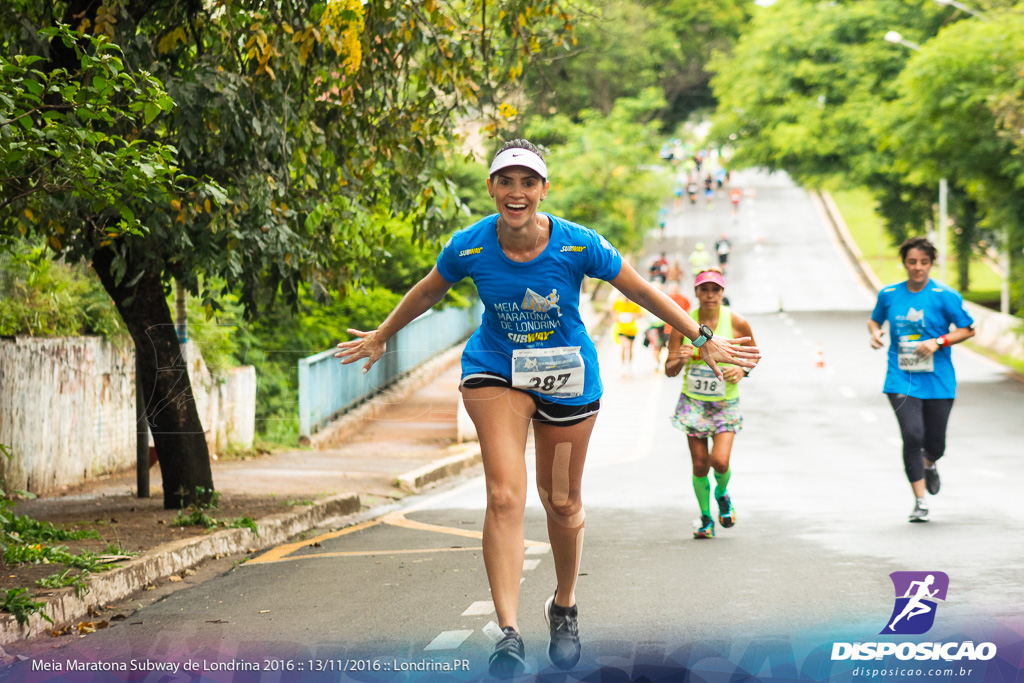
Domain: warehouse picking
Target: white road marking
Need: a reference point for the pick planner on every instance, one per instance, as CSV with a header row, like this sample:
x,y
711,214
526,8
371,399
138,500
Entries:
x,y
538,550
990,473
530,565
479,609
493,631
868,416
432,501
448,640
894,441
847,392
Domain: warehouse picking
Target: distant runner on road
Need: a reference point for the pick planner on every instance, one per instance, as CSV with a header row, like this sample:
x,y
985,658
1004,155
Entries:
x,y
920,382
708,408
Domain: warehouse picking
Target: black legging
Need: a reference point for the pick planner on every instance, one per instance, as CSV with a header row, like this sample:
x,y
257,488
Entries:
x,y
923,428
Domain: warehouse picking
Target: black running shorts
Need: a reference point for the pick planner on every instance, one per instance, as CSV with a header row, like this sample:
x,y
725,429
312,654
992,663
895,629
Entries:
x,y
547,412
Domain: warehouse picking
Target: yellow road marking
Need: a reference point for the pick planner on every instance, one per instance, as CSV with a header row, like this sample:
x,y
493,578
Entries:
x,y
280,551
398,519
363,553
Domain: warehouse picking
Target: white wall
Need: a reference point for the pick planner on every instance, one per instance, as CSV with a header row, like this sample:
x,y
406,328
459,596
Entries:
x,y
67,409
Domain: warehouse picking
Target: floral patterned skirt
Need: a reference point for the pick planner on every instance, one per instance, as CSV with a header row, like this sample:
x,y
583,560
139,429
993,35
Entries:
x,y
707,418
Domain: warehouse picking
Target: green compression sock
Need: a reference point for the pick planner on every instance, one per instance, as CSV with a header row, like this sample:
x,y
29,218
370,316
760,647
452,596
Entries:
x,y
702,487
722,482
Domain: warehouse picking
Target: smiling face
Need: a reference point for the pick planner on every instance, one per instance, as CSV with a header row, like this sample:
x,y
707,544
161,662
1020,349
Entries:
x,y
517,192
918,265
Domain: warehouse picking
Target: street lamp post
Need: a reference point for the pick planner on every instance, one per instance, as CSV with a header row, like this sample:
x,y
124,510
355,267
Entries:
x,y
943,226
897,38
962,7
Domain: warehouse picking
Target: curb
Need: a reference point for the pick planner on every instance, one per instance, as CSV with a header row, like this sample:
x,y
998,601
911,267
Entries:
x,y
171,558
467,456
827,207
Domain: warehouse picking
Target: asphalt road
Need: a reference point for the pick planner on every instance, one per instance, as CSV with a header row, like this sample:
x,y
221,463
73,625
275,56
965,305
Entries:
x,y
817,481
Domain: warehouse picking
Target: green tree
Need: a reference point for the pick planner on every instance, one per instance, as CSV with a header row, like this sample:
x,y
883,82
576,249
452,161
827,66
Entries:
x,y
946,123
804,82
627,46
813,89
601,168
621,49
74,170
315,118
702,28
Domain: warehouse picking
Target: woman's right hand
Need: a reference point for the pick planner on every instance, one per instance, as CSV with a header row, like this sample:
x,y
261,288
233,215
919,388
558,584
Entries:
x,y
365,345
688,351
876,339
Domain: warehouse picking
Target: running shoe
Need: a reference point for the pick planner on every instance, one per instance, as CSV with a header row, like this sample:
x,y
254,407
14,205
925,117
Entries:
x,y
931,480
563,623
726,512
706,528
920,513
509,656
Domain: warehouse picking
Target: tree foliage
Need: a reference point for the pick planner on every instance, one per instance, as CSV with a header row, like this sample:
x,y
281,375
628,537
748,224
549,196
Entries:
x,y
627,46
601,168
949,120
68,137
814,89
310,125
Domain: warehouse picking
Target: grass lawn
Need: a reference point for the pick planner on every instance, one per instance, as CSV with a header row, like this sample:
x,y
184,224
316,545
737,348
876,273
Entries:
x,y
858,209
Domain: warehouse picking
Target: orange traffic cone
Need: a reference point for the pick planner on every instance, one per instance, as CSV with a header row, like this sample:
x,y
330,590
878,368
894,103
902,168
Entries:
x,y
819,356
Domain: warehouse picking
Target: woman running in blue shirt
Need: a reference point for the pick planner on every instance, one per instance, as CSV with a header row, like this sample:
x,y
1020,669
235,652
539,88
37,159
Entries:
x,y
532,360
920,382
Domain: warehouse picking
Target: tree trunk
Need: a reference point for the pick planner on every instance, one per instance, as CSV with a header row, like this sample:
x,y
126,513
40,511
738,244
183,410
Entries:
x,y
965,237
170,409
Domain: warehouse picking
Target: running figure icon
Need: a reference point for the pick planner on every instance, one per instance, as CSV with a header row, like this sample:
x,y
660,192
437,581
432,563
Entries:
x,y
915,606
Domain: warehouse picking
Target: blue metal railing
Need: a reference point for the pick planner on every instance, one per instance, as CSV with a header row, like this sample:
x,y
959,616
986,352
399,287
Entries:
x,y
327,388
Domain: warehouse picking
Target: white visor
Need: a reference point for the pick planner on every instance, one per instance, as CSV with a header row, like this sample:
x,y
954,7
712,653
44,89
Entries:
x,y
517,156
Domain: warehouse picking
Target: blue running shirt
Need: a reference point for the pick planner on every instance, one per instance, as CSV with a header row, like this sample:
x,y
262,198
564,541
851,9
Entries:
x,y
533,304
916,317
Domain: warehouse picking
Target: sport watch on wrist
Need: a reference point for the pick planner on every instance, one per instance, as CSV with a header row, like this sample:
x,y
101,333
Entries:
x,y
941,341
705,334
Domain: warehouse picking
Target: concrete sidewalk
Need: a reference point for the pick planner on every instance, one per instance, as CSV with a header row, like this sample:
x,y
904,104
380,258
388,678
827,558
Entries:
x,y
391,447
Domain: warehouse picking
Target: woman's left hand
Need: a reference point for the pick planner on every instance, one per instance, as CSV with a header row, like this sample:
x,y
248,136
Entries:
x,y
365,345
926,348
717,350
733,374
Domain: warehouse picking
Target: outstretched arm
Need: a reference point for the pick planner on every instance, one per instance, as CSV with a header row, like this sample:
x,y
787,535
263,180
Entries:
x,y
629,282
370,345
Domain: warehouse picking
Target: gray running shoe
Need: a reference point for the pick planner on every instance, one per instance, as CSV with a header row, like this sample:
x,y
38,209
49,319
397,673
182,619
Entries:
x,y
920,513
931,480
509,656
563,622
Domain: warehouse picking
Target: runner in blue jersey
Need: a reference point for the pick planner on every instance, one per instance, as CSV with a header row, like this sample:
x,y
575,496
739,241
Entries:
x,y
532,360
920,382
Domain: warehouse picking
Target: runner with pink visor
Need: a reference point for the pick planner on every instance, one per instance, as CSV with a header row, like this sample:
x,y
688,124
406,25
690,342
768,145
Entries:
x,y
710,276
